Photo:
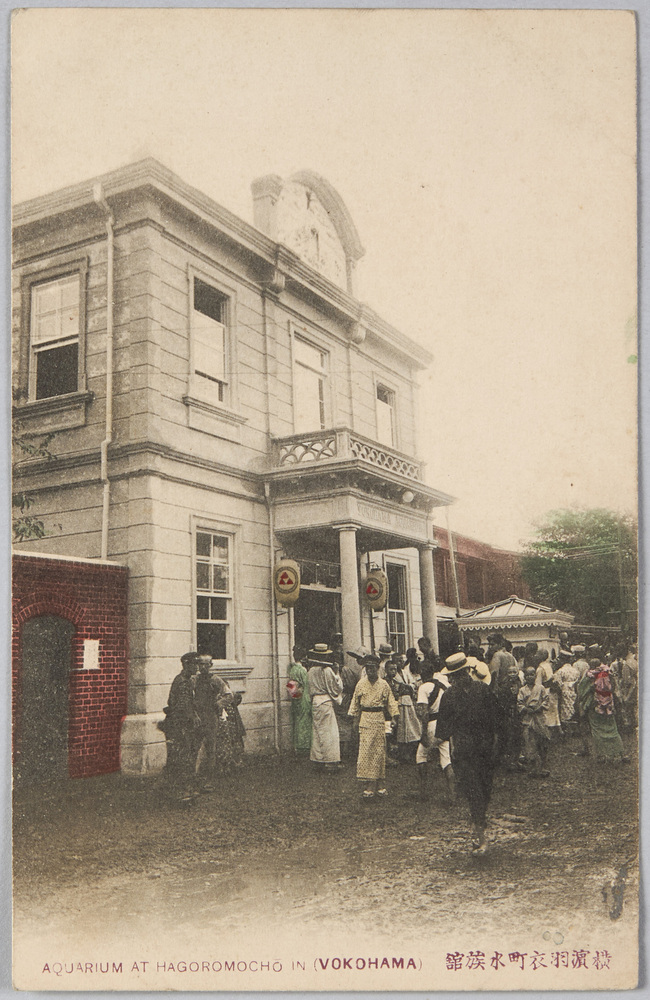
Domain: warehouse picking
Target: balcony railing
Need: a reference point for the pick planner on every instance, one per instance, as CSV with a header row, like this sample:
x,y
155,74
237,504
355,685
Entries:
x,y
341,444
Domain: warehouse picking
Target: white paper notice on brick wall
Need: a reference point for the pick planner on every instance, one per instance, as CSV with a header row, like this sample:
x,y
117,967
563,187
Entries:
x,y
91,654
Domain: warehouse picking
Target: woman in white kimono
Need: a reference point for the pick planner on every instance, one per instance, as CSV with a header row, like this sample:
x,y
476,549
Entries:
x,y
409,726
325,690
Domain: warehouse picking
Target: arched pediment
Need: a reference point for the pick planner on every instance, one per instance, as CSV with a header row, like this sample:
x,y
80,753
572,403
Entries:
x,y
306,214
336,208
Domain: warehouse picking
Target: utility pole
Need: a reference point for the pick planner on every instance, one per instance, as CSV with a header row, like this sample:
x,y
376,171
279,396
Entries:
x,y
453,564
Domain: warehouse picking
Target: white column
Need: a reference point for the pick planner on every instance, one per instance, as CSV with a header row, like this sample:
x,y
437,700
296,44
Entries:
x,y
350,614
428,595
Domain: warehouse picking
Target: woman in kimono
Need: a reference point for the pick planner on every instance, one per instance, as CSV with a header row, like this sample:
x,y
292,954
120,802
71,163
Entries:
x,y
325,689
546,677
409,727
567,676
229,743
596,702
532,702
300,704
372,702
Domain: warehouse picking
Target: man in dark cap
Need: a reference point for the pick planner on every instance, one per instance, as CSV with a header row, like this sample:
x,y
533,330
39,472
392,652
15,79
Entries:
x,y
468,716
181,729
206,694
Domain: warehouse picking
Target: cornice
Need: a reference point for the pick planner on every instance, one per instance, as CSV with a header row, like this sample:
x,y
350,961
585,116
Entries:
x,y
149,174
120,452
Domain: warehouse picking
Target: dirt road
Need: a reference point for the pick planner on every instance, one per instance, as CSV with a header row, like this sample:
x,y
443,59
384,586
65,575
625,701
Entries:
x,y
281,845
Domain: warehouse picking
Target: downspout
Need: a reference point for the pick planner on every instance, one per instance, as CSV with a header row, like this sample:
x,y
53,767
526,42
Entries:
x,y
275,664
98,195
275,660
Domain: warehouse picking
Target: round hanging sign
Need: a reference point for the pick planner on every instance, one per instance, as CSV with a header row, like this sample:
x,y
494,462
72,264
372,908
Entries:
x,y
286,582
376,589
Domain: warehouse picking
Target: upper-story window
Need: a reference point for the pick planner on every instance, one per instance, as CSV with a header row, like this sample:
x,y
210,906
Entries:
x,y
54,336
385,406
310,375
209,341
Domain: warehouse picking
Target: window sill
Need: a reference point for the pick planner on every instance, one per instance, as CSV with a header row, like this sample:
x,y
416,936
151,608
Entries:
x,y
232,673
214,418
57,413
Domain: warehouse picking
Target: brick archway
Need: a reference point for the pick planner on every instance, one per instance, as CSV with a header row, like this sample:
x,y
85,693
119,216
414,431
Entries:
x,y
48,604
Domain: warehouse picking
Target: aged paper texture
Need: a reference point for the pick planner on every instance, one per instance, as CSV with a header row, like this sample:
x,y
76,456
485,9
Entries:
x,y
324,343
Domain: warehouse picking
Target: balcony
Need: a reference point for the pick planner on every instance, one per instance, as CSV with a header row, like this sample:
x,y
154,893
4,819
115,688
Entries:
x,y
337,446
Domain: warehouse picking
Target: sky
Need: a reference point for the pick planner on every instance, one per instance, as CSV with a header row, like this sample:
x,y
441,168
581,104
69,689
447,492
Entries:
x,y
487,159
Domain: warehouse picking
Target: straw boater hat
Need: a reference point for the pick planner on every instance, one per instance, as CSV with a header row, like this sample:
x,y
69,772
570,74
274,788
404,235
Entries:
x,y
385,649
454,663
320,655
478,670
577,649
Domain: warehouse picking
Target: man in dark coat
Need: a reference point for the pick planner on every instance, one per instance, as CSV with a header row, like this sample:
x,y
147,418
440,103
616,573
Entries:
x,y
206,695
181,728
468,716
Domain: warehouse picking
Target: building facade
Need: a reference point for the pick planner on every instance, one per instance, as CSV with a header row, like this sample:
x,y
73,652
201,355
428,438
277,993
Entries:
x,y
219,398
519,621
484,574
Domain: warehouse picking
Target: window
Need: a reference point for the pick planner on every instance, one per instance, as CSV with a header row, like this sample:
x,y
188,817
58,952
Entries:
x,y
54,337
309,380
213,579
209,340
385,416
397,607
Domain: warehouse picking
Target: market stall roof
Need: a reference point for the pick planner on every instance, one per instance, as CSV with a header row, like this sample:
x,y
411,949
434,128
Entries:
x,y
513,612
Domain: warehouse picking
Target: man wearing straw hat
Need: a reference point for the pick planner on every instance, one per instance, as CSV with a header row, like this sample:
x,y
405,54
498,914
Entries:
x,y
468,716
325,690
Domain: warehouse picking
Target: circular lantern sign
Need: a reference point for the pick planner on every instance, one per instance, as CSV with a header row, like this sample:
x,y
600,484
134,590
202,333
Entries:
x,y
286,582
376,589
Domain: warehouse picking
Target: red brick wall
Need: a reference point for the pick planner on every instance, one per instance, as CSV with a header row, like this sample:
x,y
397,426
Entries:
x,y
94,598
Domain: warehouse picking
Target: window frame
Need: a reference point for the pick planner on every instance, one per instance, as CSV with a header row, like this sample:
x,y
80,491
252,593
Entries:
x,y
381,383
27,371
325,373
405,567
200,388
231,531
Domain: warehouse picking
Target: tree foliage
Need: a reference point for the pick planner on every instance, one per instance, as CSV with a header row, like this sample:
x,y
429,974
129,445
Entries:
x,y
585,562
26,524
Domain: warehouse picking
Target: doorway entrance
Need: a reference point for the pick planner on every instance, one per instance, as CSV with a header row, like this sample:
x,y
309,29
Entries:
x,y
42,750
316,617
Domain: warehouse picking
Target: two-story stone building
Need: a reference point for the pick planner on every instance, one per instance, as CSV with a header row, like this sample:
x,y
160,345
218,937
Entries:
x,y
220,398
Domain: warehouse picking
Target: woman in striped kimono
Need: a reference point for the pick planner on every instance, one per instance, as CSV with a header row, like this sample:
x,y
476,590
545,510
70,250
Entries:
x,y
372,702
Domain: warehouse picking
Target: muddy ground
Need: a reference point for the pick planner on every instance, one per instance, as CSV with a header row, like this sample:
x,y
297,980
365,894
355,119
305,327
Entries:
x,y
279,843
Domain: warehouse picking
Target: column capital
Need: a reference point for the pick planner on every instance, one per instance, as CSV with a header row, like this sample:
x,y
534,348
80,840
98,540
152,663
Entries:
x,y
431,546
346,526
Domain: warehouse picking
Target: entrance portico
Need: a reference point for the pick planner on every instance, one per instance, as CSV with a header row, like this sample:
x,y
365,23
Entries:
x,y
353,506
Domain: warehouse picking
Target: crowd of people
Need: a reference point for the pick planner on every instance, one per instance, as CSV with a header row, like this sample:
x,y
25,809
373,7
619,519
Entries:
x,y
466,715
477,710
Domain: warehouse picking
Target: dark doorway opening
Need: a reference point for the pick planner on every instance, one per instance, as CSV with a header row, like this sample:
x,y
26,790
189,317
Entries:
x,y
42,750
317,616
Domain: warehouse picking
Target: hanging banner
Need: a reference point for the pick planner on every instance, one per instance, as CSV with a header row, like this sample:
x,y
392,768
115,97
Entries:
x,y
376,589
286,582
